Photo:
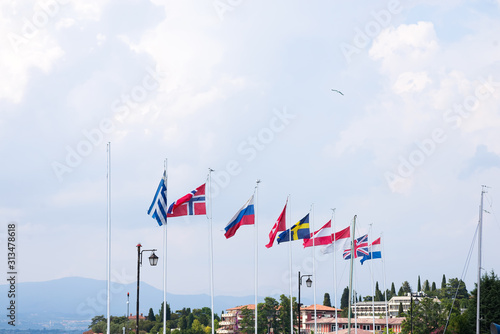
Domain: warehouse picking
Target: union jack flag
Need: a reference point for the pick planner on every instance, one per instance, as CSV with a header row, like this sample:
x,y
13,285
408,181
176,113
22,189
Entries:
x,y
360,248
193,203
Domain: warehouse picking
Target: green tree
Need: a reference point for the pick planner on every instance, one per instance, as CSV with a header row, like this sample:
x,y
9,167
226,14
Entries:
x,y
490,302
151,315
283,325
433,288
378,294
400,310
406,287
344,300
197,327
326,300
189,320
97,319
268,315
393,289
247,322
419,287
401,291
443,282
427,316
427,287
451,289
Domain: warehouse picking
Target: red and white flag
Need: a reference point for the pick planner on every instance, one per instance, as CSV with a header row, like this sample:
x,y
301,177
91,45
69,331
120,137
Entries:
x,y
279,226
337,239
322,236
193,203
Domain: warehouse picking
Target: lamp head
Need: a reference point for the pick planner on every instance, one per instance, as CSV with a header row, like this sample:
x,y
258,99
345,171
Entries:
x,y
153,259
309,282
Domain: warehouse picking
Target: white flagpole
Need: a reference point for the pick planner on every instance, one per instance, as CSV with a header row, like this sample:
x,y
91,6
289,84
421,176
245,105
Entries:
x,y
350,275
256,251
314,271
165,259
371,276
209,216
334,272
385,286
290,265
108,271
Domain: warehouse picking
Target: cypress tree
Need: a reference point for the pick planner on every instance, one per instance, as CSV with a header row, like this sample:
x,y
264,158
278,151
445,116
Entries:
x,y
326,300
419,287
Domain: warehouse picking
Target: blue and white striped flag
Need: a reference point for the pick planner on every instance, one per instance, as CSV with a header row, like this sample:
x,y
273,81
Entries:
x,y
158,209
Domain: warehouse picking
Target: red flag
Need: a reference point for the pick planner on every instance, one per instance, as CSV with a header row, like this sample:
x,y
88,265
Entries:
x,y
320,237
279,226
336,237
190,204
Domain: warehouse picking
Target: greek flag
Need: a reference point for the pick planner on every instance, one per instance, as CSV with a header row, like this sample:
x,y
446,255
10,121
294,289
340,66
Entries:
x,y
158,209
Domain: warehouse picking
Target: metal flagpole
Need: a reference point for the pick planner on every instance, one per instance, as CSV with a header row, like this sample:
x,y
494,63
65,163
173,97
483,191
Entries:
x,y
165,257
334,272
209,216
108,271
479,246
314,271
290,265
256,251
371,276
350,275
385,286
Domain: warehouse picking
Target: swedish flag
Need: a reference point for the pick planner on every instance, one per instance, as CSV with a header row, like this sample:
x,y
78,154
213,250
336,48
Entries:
x,y
298,231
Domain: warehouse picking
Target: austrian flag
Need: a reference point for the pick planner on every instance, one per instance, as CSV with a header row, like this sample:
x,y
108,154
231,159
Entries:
x,y
191,204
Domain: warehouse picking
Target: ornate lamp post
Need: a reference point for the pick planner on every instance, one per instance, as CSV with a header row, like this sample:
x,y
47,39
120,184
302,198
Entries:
x,y
153,261
308,283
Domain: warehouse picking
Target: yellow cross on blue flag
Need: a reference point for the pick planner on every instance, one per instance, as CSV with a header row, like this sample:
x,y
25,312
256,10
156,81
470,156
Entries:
x,y
298,231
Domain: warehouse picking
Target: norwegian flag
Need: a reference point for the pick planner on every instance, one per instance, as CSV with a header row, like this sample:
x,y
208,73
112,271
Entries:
x,y
360,248
191,204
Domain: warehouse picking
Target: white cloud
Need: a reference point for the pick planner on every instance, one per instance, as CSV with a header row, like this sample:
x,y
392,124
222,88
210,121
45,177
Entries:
x,y
411,82
405,47
22,52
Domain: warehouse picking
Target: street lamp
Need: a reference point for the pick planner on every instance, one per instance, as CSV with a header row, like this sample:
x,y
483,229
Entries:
x,y
308,283
153,261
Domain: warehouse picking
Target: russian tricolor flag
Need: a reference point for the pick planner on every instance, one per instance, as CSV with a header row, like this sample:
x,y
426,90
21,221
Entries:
x,y
245,216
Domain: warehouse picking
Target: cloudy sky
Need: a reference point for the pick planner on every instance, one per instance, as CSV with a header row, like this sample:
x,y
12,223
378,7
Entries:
x,y
245,88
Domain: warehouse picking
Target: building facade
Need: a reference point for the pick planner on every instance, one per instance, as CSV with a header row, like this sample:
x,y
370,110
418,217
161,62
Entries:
x,y
328,325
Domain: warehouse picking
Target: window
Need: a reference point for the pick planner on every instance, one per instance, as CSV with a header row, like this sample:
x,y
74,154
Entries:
x,y
366,327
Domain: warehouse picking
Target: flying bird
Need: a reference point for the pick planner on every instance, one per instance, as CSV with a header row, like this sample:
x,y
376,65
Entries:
x,y
338,91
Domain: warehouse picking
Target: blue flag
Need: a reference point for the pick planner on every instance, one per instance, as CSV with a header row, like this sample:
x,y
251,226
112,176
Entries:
x,y
158,208
298,231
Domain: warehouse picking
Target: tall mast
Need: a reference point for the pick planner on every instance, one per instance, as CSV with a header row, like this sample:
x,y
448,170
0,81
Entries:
x,y
479,247
350,275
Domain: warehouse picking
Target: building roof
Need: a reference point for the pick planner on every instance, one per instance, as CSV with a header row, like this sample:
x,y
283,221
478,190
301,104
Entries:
x,y
319,308
249,306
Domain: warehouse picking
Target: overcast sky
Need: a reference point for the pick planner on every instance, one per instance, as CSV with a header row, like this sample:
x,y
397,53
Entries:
x,y
245,88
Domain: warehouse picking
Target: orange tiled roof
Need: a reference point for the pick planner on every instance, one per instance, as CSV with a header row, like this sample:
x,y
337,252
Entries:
x,y
249,306
319,308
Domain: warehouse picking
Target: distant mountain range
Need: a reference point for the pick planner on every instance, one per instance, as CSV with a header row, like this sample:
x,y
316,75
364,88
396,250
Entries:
x,y
69,303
